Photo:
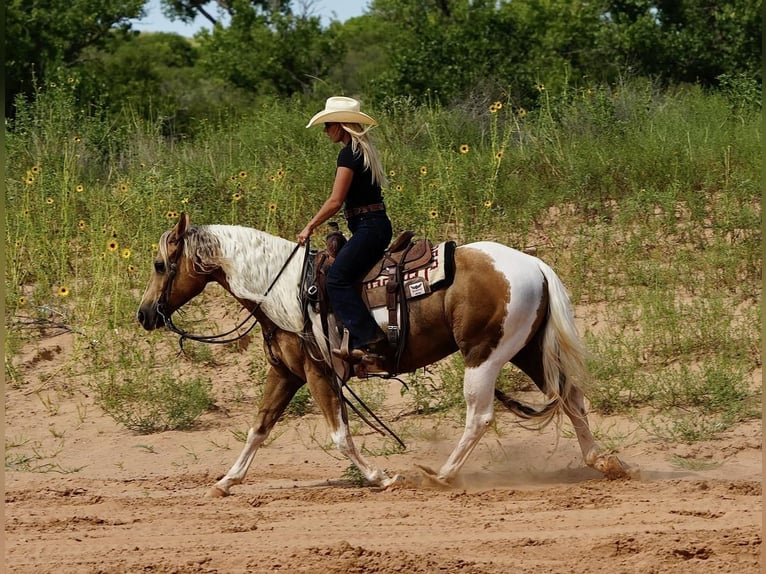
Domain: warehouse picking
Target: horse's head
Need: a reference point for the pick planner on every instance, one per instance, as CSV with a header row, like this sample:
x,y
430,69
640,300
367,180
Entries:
x,y
174,280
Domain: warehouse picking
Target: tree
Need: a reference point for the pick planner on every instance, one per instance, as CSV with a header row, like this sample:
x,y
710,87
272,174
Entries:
x,y
188,10
688,40
278,54
41,35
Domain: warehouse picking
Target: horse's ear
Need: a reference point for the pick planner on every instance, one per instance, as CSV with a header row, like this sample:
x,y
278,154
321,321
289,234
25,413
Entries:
x,y
178,232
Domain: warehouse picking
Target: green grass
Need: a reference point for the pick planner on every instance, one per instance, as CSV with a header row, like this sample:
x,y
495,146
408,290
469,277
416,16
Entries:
x,y
645,201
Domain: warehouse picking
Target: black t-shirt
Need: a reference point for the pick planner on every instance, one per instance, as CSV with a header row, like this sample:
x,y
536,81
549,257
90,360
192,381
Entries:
x,y
362,190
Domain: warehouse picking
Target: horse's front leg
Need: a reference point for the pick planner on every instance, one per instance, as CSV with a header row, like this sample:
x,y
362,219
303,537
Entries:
x,y
325,394
281,386
608,464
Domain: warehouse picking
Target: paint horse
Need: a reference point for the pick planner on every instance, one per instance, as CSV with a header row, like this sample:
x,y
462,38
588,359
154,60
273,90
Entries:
x,y
502,305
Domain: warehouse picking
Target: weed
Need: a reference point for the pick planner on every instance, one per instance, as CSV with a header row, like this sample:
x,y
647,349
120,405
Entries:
x,y
645,200
149,405
353,475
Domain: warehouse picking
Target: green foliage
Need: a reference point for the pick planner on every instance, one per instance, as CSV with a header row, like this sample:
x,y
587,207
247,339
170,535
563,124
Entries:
x,y
40,37
156,77
645,200
291,52
146,403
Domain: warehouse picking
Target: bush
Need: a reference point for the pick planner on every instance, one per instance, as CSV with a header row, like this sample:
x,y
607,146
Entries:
x,y
145,405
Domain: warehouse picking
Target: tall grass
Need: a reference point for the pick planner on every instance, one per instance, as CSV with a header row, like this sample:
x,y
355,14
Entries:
x,y
645,201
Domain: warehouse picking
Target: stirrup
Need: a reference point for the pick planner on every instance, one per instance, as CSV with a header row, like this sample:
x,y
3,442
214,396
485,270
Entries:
x,y
356,356
343,351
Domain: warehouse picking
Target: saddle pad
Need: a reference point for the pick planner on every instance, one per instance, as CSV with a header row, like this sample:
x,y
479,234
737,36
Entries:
x,y
417,282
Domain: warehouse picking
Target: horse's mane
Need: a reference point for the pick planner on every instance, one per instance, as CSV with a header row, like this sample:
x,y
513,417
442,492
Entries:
x,y
250,259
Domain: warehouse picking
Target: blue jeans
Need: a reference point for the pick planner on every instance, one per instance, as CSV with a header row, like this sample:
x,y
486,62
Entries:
x,y
371,234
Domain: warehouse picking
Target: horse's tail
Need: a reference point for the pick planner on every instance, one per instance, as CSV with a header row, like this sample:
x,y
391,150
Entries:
x,y
563,351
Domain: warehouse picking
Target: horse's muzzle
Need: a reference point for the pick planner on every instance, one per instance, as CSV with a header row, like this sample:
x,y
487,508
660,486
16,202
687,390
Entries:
x,y
150,319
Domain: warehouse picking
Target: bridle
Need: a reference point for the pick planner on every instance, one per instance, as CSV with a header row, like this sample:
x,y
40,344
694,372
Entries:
x,y
221,338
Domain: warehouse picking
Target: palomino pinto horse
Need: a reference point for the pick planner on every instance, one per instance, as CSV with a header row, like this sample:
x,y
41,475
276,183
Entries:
x,y
502,306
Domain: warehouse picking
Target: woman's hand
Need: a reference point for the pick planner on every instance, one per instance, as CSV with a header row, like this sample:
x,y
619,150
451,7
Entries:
x,y
304,235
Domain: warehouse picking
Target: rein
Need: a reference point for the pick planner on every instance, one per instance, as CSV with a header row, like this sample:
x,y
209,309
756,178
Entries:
x,y
218,339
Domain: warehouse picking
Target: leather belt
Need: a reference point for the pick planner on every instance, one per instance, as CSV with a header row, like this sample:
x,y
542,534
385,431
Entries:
x,y
364,209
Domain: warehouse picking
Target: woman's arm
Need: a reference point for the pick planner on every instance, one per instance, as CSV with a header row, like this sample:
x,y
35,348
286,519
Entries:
x,y
340,187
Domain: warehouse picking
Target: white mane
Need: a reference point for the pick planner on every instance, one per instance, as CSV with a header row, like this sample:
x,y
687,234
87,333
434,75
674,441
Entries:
x,y
251,260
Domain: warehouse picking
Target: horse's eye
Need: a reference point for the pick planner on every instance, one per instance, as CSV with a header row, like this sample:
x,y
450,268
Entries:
x,y
159,266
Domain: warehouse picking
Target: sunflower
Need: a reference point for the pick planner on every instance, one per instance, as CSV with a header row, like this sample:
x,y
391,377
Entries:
x,y
521,112
232,178
398,187
433,214
236,196
112,245
81,225
243,175
280,172
272,207
392,173
22,301
487,203
63,291
272,178
79,188
464,148
423,170
499,155
49,200
171,215
131,268
493,109
29,179
540,87
35,169
125,253
77,139
123,187
498,105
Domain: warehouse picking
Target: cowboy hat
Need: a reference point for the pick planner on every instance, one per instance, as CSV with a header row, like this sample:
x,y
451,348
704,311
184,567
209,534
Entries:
x,y
341,110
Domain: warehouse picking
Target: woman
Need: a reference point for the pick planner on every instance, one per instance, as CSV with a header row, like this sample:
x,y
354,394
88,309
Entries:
x,y
357,187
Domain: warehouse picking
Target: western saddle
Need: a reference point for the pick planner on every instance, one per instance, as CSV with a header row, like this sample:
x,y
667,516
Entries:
x,y
399,275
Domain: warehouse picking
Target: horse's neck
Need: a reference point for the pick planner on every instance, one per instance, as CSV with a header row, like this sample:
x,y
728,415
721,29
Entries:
x,y
258,267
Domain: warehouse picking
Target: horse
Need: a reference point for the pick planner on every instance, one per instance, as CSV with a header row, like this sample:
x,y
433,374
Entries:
x,y
502,306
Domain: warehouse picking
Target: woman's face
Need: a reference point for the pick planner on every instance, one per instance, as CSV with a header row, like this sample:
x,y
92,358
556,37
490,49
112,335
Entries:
x,y
334,131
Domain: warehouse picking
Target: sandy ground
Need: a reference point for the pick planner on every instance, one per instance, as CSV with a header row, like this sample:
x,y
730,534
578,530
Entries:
x,y
96,498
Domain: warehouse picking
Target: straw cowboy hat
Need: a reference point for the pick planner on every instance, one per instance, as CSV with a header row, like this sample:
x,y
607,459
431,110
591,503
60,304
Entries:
x,y
341,110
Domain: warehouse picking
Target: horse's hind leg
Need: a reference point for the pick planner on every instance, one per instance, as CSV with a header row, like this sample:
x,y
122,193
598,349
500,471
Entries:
x,y
478,390
608,464
280,388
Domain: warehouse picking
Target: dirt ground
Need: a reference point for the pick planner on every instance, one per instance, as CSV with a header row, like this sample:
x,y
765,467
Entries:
x,y
93,497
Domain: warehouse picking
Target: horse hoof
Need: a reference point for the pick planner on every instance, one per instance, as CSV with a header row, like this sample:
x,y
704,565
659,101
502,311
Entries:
x,y
612,467
432,478
395,483
216,492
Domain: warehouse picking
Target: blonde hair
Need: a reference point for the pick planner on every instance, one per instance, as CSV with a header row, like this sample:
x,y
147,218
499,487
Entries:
x,y
361,140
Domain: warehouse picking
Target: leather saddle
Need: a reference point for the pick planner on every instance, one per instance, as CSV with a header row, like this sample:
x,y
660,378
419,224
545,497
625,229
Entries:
x,y
402,273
